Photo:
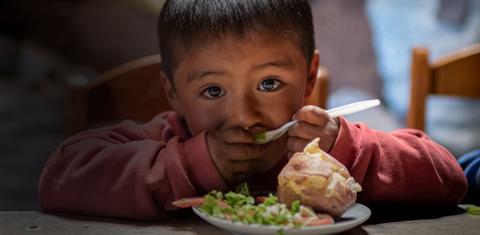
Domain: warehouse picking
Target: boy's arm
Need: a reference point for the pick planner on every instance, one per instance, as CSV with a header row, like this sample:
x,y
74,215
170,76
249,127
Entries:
x,y
128,170
403,166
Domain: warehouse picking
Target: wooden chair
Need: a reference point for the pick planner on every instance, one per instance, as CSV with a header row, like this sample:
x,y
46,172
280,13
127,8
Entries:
x,y
134,91
456,74
130,91
319,95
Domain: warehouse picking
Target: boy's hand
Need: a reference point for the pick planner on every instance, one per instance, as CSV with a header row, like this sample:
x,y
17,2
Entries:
x,y
313,122
236,155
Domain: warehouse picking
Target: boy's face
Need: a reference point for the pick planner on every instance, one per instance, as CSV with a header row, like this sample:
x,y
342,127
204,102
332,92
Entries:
x,y
254,82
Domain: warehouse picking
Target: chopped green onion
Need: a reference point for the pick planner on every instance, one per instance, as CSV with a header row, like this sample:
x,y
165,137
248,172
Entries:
x,y
243,189
239,206
295,206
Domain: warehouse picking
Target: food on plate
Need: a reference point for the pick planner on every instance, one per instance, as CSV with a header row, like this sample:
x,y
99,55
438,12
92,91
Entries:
x,y
317,180
312,182
240,206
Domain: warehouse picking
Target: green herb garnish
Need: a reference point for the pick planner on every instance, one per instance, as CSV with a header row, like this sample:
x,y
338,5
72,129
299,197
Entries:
x,y
239,206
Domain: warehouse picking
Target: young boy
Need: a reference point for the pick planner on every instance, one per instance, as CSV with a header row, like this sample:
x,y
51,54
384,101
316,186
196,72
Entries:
x,y
232,69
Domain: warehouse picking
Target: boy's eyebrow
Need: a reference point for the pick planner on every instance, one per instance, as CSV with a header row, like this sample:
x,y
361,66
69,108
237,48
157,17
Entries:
x,y
282,63
200,74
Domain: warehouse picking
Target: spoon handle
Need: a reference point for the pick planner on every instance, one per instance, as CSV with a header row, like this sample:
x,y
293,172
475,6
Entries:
x,y
264,137
353,107
341,110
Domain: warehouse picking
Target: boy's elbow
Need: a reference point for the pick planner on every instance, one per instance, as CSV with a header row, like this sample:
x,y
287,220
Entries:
x,y
44,201
49,187
460,188
453,189
46,194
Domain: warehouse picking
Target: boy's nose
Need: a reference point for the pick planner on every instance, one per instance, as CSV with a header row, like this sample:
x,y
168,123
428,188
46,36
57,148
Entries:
x,y
243,113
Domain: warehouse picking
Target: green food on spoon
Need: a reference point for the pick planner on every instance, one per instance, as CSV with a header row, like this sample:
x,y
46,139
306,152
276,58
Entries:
x,y
473,210
260,136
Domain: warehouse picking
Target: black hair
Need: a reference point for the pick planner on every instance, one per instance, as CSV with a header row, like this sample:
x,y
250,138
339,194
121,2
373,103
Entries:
x,y
186,24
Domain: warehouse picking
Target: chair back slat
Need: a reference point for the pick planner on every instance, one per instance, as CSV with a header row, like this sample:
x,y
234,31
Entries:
x,y
459,77
456,74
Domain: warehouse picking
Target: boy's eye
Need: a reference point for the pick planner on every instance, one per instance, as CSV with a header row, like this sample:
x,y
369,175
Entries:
x,y
269,84
213,92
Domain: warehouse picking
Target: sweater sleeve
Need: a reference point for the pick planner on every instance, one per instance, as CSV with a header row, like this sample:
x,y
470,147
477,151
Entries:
x,y
404,166
128,170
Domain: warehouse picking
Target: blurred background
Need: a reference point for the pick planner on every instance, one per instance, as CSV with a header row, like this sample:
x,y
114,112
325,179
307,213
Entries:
x,y
365,44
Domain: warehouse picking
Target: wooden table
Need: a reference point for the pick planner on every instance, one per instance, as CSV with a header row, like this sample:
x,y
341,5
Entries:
x,y
384,220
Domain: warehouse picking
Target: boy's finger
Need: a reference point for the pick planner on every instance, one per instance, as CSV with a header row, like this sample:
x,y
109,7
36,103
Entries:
x,y
243,157
295,144
244,167
312,114
290,155
240,177
245,152
304,130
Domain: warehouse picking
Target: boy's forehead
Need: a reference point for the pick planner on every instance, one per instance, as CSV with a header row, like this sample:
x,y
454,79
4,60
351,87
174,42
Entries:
x,y
251,52
231,41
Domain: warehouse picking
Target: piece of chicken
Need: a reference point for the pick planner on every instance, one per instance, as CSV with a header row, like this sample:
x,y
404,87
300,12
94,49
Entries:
x,y
317,180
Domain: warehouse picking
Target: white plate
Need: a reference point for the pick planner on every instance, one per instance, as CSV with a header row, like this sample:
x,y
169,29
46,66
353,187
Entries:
x,y
355,215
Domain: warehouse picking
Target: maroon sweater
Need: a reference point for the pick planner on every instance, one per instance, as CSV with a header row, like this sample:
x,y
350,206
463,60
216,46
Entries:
x,y
136,171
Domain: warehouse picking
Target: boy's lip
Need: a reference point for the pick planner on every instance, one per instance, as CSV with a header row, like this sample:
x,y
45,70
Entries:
x,y
258,129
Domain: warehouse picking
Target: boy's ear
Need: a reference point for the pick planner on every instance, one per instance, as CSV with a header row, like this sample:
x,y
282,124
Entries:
x,y
312,73
170,93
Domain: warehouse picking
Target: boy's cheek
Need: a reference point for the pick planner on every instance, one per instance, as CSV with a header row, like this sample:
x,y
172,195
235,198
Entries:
x,y
201,120
197,125
281,108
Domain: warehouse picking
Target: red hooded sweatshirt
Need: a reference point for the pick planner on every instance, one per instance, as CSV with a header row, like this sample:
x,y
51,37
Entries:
x,y
136,171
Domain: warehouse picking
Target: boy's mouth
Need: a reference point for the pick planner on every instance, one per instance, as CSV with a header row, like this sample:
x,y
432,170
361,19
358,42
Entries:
x,y
258,129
